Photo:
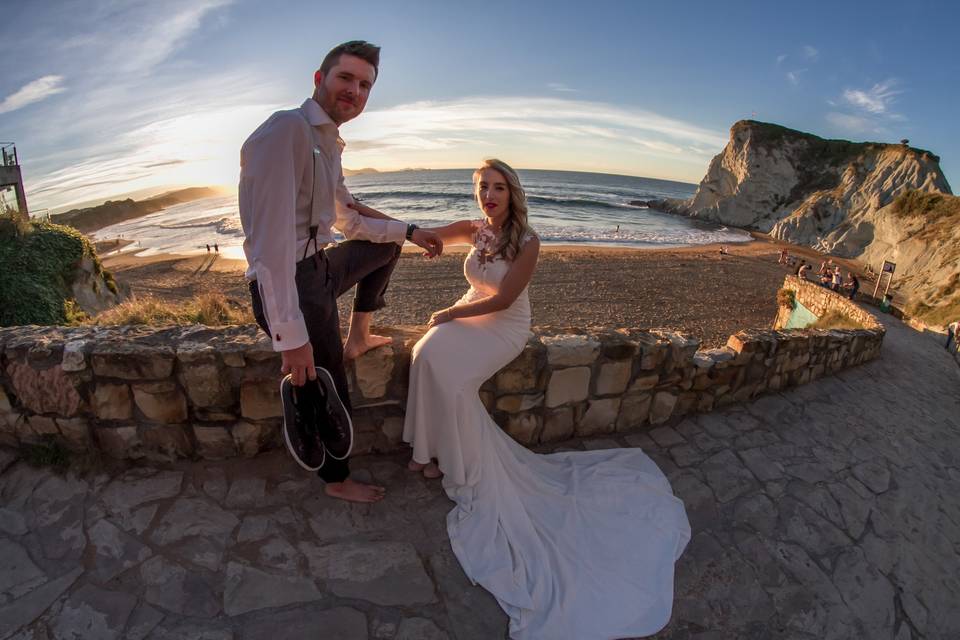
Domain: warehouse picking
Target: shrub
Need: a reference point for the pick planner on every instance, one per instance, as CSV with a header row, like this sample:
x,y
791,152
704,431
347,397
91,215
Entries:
x,y
835,320
787,298
212,309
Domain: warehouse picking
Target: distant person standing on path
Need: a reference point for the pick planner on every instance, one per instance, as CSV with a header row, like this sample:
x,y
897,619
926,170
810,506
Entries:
x,y
952,329
292,194
853,284
216,248
802,271
208,248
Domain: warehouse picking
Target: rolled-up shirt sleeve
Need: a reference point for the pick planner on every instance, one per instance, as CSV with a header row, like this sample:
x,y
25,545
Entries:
x,y
355,226
268,190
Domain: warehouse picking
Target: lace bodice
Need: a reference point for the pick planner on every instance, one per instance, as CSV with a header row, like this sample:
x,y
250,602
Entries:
x,y
484,268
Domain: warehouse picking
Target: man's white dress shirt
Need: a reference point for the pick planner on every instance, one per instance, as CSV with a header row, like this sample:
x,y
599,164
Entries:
x,y
276,191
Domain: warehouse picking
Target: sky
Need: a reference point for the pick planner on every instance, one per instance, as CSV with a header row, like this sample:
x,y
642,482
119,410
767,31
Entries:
x,y
108,97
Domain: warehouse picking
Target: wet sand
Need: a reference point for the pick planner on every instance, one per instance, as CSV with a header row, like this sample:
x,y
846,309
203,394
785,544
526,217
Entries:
x,y
692,289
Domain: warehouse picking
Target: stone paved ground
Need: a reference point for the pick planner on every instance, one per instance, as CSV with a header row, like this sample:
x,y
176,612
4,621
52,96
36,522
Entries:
x,y
831,511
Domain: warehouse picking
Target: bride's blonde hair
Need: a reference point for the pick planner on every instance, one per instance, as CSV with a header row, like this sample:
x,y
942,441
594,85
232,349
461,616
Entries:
x,y
516,226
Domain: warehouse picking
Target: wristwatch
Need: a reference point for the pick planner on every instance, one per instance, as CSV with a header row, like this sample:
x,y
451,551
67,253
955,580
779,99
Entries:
x,y
410,229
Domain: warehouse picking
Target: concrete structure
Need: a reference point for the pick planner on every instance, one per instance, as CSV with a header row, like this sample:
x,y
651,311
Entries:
x,y
14,198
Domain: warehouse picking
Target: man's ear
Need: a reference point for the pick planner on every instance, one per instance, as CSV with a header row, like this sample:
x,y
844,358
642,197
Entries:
x,y
317,78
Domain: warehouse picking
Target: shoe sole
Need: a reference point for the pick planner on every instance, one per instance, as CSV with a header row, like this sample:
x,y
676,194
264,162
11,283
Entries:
x,y
285,389
329,386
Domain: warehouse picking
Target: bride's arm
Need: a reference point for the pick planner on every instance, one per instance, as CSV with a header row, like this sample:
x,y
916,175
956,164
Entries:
x,y
460,232
517,278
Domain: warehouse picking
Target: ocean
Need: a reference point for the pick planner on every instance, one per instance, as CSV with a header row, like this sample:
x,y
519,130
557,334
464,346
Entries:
x,y
566,207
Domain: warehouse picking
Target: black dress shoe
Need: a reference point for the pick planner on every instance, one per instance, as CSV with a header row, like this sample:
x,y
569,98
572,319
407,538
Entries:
x,y
301,424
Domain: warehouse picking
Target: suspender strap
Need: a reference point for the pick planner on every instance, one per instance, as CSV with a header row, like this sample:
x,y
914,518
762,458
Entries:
x,y
314,204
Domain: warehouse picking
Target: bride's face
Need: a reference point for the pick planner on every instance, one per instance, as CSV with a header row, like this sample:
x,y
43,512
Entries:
x,y
493,194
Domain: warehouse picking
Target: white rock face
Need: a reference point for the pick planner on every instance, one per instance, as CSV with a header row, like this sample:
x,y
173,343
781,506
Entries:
x,y
831,195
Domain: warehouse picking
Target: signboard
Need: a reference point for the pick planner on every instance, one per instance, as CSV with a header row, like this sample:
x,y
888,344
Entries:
x,y
889,267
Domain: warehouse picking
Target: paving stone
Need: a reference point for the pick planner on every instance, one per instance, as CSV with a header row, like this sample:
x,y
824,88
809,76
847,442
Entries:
x,y
698,499
600,444
246,493
868,595
419,629
639,440
874,475
190,630
27,608
685,455
215,483
757,512
18,573
385,573
114,551
139,486
474,612
727,476
92,612
761,465
248,589
261,525
717,426
338,623
206,552
277,553
193,517
666,437
142,621
171,587
12,522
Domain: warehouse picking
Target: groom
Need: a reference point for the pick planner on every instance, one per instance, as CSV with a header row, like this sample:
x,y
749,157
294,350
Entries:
x,y
291,195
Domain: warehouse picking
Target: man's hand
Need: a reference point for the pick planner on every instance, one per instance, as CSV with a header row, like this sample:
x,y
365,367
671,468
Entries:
x,y
429,241
299,364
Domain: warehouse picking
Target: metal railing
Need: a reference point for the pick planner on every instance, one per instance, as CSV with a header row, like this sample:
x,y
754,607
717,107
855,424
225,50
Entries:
x,y
8,150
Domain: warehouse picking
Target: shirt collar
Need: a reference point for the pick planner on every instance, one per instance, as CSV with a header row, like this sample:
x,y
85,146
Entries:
x,y
317,117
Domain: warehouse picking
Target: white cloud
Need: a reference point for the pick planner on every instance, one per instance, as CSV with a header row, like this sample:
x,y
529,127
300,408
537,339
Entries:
x,y
849,123
559,86
781,58
794,76
810,53
877,99
35,91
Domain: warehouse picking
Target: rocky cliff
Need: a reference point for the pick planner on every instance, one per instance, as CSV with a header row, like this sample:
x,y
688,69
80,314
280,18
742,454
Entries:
x,y
835,196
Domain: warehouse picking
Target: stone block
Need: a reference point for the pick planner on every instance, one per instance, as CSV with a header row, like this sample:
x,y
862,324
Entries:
x,y
568,385
112,401
205,383
601,417
524,428
644,382
253,437
392,428
73,356
260,399
488,399
662,408
523,373
214,442
45,390
557,425
161,402
613,377
131,361
119,442
37,427
75,433
634,411
374,370
571,350
616,345
166,441
5,406
515,403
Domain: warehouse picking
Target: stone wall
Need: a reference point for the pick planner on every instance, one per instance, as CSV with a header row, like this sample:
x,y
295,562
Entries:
x,y
820,300
197,392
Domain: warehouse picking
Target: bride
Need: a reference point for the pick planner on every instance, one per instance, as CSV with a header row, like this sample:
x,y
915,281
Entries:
x,y
577,545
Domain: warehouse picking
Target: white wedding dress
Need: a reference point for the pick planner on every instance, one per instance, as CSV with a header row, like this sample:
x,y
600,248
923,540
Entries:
x,y
576,545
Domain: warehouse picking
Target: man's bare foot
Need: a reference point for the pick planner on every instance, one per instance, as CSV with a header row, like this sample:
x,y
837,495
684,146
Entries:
x,y
353,491
354,348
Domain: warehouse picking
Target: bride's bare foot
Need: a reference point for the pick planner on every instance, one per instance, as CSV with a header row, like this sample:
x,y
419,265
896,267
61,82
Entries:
x,y
432,471
415,466
354,348
353,491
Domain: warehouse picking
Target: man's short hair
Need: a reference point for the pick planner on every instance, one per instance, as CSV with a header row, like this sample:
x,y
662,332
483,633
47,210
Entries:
x,y
360,48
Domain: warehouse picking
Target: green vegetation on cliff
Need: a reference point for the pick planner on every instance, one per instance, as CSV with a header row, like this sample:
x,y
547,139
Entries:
x,y
37,265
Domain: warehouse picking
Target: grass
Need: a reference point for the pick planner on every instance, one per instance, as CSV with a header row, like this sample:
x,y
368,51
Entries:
x,y
211,309
835,320
937,315
48,453
787,298
38,261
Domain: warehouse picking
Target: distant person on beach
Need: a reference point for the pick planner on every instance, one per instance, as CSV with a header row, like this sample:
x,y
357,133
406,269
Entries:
x,y
216,248
208,248
803,269
952,329
292,195
853,284
783,257
836,279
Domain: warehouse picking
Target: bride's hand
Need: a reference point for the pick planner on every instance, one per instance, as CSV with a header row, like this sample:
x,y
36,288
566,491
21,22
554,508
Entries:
x,y
439,317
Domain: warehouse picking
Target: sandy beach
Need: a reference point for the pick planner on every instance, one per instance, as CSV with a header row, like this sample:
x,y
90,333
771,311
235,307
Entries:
x,y
693,289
